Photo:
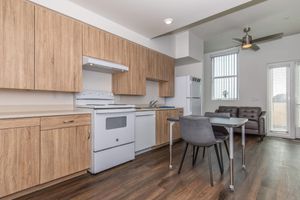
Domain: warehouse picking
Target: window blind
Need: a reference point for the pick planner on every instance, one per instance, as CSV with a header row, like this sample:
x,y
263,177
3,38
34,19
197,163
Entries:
x,y
225,77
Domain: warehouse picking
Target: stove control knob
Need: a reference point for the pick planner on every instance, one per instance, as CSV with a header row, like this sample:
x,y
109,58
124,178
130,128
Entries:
x,y
117,140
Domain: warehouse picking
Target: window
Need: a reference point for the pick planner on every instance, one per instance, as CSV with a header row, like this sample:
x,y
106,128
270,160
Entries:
x,y
225,77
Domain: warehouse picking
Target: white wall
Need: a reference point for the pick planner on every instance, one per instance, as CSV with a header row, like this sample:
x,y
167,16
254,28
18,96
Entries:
x,y
96,81
253,72
194,69
152,93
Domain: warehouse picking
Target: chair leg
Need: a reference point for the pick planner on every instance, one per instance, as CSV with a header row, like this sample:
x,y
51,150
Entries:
x,y
226,146
218,157
195,158
186,147
194,149
203,152
221,156
210,168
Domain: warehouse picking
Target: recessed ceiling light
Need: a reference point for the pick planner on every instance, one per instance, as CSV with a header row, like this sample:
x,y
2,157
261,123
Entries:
x,y
168,21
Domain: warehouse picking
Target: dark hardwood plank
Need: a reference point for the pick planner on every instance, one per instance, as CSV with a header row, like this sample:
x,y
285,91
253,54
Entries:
x,y
272,173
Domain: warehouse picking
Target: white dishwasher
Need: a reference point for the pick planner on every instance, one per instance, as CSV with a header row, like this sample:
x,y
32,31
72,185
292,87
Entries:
x,y
144,131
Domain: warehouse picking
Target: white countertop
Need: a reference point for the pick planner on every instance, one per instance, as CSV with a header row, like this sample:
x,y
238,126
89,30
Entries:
x,y
12,115
153,109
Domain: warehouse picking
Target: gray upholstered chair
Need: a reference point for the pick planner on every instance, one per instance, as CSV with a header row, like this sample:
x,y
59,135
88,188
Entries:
x,y
221,134
198,132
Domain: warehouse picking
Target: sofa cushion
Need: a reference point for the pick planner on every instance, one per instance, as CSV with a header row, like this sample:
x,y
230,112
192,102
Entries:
x,y
229,109
251,113
251,125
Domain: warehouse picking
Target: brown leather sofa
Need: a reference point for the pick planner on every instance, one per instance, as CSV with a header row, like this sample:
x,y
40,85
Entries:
x,y
257,118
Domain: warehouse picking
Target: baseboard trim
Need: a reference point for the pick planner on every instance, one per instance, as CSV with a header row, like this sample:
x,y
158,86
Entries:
x,y
42,186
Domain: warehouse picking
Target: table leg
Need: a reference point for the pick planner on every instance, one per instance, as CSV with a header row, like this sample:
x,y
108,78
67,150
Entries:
x,y
243,147
171,143
231,156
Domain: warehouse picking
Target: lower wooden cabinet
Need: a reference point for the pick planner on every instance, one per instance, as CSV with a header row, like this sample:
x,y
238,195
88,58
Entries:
x,y
64,151
162,125
19,155
38,150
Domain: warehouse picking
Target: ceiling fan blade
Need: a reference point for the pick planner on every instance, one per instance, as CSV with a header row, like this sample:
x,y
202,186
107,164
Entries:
x,y
254,47
237,40
268,38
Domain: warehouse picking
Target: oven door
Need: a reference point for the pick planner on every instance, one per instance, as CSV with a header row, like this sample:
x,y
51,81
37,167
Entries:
x,y
113,129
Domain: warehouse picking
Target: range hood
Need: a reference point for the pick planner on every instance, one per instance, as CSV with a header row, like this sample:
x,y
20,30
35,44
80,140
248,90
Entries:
x,y
92,64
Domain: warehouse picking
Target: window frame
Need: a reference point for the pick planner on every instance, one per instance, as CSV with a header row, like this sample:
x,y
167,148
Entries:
x,y
225,53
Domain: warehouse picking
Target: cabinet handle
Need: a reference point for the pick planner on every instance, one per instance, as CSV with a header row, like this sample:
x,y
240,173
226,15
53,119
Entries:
x,y
69,121
89,135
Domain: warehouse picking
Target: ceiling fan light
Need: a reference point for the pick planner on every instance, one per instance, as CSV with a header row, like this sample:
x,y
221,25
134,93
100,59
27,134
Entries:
x,y
246,46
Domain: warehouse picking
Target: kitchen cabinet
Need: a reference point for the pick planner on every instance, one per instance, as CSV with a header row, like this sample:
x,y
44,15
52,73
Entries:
x,y
155,69
132,82
20,154
16,44
167,88
58,52
162,125
104,45
65,146
93,42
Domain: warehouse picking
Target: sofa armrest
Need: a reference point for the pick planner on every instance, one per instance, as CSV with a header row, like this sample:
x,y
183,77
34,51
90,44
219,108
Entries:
x,y
262,123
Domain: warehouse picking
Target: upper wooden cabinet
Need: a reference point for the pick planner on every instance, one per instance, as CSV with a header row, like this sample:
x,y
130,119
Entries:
x,y
58,52
132,82
93,42
19,154
16,44
167,88
103,45
156,67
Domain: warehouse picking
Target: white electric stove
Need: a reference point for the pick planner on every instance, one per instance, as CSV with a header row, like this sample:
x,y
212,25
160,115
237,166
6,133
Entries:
x,y
112,129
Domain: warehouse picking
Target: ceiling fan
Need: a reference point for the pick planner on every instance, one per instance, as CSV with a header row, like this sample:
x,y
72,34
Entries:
x,y
248,43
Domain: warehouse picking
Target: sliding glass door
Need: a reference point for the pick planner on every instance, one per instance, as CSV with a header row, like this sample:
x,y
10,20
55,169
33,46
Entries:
x,y
279,100
297,98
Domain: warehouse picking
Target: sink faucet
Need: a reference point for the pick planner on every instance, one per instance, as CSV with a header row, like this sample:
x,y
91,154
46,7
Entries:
x,y
153,103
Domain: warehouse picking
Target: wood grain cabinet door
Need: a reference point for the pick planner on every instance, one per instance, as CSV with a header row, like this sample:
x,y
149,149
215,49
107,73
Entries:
x,y
167,88
132,82
64,152
163,128
19,155
103,45
152,68
16,44
58,52
93,42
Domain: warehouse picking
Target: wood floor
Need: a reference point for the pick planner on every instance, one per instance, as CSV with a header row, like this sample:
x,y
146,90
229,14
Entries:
x,y
273,172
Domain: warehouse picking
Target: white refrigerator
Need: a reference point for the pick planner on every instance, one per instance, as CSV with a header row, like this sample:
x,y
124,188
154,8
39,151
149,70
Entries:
x,y
187,95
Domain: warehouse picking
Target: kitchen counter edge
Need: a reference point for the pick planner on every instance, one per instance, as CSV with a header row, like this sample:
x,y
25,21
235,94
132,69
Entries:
x,y
15,115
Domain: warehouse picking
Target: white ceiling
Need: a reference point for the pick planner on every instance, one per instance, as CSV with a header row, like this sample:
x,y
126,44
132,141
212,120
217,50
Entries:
x,y
146,16
272,16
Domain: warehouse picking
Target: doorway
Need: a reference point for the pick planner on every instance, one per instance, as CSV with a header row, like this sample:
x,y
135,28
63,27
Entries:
x,y
280,99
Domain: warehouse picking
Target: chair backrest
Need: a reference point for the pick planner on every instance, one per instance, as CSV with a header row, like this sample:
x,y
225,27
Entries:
x,y
221,115
197,130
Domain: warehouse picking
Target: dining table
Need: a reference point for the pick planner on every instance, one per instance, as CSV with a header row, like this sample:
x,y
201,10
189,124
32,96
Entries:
x,y
229,124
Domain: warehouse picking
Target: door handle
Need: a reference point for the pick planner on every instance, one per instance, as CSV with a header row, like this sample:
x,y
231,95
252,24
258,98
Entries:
x,y
68,121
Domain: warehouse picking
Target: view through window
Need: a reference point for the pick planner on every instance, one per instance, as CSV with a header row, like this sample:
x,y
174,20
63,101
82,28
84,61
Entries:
x,y
225,77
